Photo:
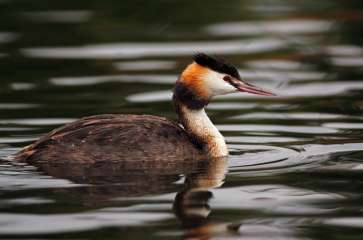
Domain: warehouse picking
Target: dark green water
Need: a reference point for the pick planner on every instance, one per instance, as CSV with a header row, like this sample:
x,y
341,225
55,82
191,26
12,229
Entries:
x,y
296,164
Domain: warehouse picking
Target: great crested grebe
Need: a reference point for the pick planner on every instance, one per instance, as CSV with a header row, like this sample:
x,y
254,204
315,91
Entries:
x,y
113,137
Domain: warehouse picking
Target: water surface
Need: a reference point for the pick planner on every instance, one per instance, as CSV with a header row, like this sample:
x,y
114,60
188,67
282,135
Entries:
x,y
296,163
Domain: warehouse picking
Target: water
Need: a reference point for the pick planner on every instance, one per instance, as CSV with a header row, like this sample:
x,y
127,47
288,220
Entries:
x,y
296,160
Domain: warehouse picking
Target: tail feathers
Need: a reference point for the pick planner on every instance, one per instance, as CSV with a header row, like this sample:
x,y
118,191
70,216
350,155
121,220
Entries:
x,y
22,155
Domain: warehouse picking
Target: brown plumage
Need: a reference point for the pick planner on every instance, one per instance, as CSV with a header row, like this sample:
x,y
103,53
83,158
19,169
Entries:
x,y
145,137
112,138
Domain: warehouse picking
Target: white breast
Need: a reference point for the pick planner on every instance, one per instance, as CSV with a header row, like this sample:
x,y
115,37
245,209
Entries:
x,y
198,122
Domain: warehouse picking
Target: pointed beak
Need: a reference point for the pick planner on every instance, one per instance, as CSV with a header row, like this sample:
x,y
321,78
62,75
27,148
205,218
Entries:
x,y
245,87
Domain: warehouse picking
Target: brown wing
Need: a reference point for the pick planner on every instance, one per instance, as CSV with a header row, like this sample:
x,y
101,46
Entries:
x,y
115,138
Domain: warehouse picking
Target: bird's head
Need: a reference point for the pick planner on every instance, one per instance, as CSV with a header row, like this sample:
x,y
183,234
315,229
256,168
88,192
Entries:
x,y
207,77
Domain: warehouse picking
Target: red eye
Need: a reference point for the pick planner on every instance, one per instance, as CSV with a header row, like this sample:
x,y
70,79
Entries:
x,y
227,78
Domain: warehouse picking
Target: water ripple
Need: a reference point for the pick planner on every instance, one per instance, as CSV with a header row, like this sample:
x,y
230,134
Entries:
x,y
145,65
294,116
138,50
37,121
291,91
57,223
252,159
6,37
135,78
291,26
276,128
57,16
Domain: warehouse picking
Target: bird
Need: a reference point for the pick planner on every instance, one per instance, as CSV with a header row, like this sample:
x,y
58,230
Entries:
x,y
128,137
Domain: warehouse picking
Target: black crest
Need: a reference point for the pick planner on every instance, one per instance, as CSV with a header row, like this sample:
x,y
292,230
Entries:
x,y
216,64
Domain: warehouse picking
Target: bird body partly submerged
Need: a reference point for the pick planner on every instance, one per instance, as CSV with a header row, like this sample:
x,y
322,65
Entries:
x,y
113,137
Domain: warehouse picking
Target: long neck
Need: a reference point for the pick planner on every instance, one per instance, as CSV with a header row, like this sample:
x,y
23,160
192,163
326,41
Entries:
x,y
201,130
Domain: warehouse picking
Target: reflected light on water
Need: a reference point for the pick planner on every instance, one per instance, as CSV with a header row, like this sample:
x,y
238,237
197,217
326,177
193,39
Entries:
x,y
293,91
135,78
295,164
281,27
57,16
145,65
6,37
138,50
348,61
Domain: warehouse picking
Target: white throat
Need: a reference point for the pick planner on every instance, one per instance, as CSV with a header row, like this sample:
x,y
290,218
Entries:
x,y
197,123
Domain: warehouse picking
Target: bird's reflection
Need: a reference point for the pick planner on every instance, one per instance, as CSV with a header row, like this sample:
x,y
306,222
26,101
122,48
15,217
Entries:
x,y
192,207
110,180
